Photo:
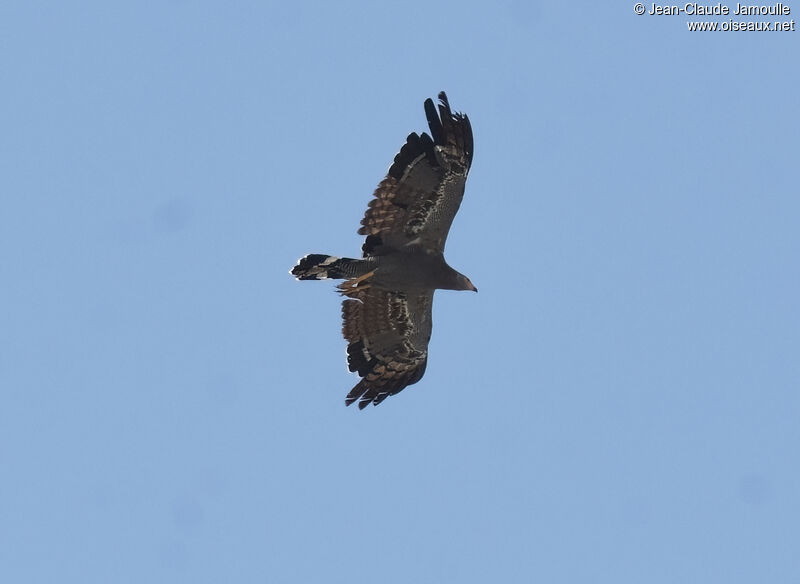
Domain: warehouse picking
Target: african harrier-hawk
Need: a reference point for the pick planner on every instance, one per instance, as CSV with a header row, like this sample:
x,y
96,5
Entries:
x,y
387,312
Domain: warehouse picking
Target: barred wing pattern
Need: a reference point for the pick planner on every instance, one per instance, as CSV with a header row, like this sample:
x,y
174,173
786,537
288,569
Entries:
x,y
388,334
422,192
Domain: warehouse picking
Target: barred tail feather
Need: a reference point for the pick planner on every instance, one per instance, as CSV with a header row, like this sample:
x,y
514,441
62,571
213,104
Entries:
x,y
318,266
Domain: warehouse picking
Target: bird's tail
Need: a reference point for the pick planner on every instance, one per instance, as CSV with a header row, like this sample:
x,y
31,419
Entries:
x,y
316,266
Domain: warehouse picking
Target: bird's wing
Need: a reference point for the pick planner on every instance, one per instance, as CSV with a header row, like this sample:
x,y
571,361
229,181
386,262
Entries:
x,y
419,197
388,334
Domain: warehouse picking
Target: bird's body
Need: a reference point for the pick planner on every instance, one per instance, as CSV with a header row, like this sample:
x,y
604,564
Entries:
x,y
387,312
411,268
417,269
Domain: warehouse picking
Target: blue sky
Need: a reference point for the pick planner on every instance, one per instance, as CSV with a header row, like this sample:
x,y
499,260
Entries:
x,y
619,403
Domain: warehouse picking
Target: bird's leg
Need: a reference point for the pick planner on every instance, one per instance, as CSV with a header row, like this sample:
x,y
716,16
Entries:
x,y
353,285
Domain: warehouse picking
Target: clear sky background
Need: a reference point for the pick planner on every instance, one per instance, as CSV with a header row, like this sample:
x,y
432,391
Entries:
x,y
619,403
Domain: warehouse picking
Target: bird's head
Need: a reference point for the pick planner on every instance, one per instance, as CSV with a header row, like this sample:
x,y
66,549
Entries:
x,y
465,283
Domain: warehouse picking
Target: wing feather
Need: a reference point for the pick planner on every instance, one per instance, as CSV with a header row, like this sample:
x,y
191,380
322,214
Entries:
x,y
422,192
388,334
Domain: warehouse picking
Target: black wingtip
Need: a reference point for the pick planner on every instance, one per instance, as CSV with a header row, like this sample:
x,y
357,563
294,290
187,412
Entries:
x,y
434,123
357,392
380,398
448,127
444,106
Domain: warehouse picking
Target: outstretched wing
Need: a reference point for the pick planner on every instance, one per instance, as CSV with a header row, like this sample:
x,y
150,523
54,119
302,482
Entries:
x,y
422,192
388,334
